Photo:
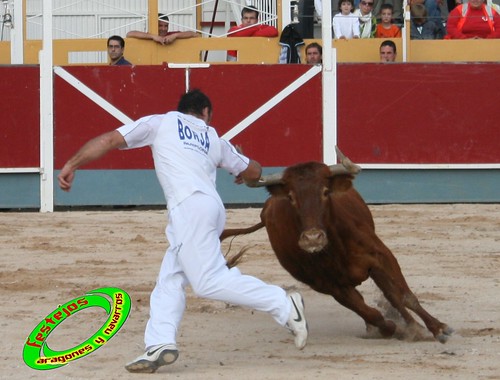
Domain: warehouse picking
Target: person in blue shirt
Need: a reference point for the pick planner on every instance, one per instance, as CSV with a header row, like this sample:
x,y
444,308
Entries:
x,y
116,48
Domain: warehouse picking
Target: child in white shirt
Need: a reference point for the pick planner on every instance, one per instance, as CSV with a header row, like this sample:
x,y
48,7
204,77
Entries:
x,y
345,24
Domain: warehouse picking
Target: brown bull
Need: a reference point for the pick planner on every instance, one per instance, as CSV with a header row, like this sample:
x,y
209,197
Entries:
x,y
323,234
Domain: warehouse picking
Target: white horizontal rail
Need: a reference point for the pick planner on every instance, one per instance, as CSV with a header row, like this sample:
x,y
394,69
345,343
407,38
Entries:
x,y
429,166
20,170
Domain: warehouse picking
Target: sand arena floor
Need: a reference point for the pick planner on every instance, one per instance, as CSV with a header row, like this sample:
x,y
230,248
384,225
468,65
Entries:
x,y
450,256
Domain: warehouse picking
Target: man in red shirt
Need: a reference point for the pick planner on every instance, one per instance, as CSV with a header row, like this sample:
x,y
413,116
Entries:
x,y
249,28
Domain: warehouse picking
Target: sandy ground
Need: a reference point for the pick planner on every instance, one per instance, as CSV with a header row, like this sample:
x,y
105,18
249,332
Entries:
x,y
450,255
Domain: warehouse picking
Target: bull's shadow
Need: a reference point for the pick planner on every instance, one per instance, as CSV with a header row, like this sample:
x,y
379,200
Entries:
x,y
323,234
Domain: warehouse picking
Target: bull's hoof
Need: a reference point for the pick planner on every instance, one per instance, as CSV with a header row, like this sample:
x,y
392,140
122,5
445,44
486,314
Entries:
x,y
388,330
445,333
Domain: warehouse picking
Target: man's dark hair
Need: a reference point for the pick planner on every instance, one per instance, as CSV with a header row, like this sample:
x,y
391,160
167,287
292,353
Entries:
x,y
315,45
389,43
250,9
120,40
194,102
387,6
163,17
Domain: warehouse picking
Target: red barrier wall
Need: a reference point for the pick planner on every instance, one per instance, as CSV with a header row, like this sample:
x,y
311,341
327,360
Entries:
x,y
398,113
236,91
19,116
419,113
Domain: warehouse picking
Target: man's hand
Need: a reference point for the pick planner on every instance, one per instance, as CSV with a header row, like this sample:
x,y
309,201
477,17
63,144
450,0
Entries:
x,y
169,39
238,179
252,173
66,177
159,39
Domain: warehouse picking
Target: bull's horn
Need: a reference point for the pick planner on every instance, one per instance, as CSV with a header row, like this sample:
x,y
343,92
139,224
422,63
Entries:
x,y
345,166
266,180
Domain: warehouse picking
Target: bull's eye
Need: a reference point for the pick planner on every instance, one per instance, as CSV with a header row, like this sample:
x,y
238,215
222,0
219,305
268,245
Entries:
x,y
326,192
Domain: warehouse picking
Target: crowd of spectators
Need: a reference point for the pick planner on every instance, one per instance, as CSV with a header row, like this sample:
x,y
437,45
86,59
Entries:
x,y
463,19
430,19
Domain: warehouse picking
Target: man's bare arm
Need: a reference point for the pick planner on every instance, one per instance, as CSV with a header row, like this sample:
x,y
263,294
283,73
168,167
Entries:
x,y
92,150
161,40
251,174
145,36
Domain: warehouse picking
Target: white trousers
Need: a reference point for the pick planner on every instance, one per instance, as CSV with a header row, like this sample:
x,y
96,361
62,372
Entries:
x,y
194,258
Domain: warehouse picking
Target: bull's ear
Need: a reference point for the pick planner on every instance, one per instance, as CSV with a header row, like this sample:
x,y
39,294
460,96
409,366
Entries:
x,y
276,190
341,183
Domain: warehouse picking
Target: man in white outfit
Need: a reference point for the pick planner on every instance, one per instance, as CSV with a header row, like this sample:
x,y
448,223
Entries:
x,y
186,154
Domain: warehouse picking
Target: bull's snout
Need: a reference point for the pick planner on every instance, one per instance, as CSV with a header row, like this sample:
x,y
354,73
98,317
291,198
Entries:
x,y
313,240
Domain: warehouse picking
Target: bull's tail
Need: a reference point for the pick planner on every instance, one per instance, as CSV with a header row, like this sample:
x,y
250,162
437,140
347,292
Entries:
x,y
234,260
240,231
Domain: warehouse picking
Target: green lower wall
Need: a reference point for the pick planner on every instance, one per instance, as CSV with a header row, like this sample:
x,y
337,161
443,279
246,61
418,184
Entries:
x,y
140,187
19,190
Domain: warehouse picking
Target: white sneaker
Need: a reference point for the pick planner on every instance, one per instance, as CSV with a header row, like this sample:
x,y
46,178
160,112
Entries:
x,y
297,321
152,359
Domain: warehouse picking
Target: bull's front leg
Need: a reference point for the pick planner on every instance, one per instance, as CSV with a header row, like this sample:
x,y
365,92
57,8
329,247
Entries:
x,y
353,300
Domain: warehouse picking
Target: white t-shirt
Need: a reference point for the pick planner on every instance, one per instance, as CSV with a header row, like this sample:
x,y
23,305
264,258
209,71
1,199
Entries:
x,y
186,153
345,26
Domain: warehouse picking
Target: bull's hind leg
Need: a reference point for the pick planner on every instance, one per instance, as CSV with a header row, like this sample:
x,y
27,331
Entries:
x,y
392,283
353,300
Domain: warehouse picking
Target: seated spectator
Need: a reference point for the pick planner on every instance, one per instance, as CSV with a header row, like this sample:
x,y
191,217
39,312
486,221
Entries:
x,y
473,20
164,37
345,24
387,51
314,54
386,29
422,28
367,21
433,12
116,48
397,10
249,28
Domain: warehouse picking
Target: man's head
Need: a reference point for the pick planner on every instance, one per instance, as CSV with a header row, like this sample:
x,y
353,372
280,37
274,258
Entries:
x,y
163,21
196,103
116,47
314,53
366,6
387,51
346,6
386,11
418,13
249,16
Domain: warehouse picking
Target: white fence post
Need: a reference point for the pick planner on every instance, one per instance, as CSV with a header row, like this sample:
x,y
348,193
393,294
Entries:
x,y
46,113
329,87
17,35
